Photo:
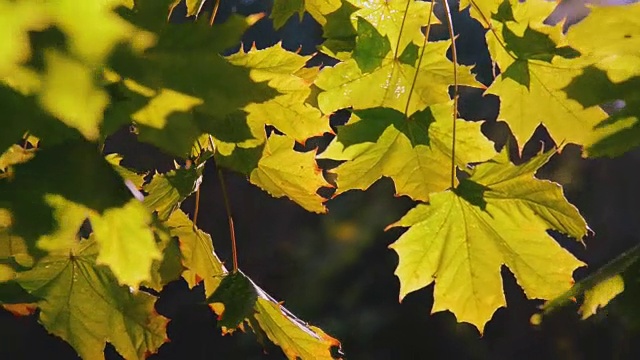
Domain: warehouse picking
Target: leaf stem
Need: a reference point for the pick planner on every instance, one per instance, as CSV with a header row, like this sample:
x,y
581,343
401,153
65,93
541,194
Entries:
x,y
454,58
216,6
415,76
232,232
196,210
406,10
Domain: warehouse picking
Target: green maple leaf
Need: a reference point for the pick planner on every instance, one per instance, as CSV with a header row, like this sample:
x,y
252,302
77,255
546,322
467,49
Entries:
x,y
498,216
22,114
393,82
182,84
536,64
339,32
279,170
127,243
167,191
283,9
69,92
290,112
415,152
74,170
198,257
86,307
238,296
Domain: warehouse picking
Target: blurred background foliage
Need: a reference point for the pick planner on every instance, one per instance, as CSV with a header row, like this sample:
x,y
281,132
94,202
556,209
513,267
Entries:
x,y
336,271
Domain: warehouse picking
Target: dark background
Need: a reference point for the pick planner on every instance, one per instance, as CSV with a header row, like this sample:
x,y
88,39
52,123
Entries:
x,y
336,272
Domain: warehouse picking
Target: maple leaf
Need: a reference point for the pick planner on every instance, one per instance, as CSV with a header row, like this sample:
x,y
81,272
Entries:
x,y
617,50
281,171
84,177
414,152
233,300
69,93
282,10
390,81
599,288
289,112
614,74
22,114
127,244
68,282
620,132
498,216
239,299
536,63
198,257
17,19
167,191
176,85
297,340
600,295
400,21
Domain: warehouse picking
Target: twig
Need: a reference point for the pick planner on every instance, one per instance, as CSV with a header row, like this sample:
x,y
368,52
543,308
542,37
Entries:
x,y
454,58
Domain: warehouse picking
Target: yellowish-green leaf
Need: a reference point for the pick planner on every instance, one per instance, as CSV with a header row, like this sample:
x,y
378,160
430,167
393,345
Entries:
x,y
401,21
600,295
498,216
84,305
71,94
167,191
616,50
16,154
283,9
415,153
291,115
201,263
290,112
127,244
16,20
536,63
297,340
93,28
193,6
281,171
392,83
69,217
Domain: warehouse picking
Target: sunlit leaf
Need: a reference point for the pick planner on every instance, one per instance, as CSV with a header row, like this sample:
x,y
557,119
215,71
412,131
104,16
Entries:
x,y
498,216
86,307
414,152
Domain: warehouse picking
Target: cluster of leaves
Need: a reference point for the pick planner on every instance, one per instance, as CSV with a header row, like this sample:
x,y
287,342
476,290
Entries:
x,y
78,228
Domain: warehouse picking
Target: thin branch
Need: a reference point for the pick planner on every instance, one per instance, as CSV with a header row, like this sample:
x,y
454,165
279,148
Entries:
x,y
196,210
454,58
216,6
232,232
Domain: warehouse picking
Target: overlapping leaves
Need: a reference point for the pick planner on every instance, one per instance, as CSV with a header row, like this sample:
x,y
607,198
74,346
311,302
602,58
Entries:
x,y
498,216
